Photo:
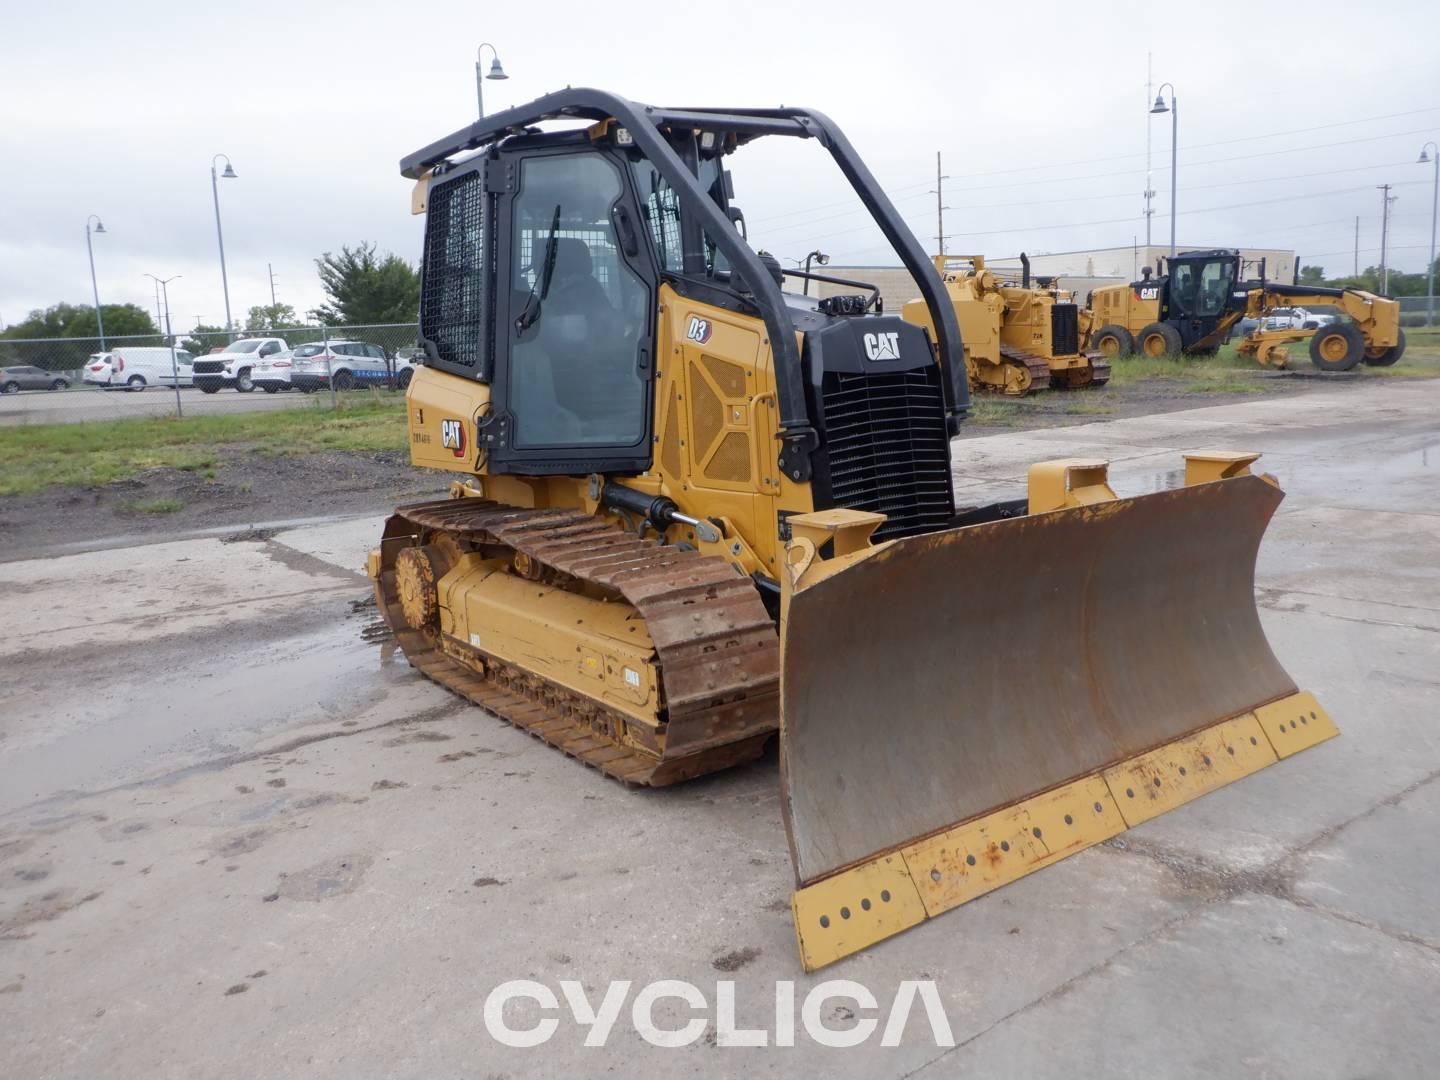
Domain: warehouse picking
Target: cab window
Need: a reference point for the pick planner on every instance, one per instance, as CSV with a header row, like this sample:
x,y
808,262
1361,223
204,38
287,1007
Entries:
x,y
579,311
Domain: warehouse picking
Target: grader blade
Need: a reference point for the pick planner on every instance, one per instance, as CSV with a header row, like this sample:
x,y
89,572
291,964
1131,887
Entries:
x,y
961,708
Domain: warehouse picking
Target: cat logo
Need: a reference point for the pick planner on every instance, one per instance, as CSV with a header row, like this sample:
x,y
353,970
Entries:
x,y
882,346
699,330
1149,292
452,436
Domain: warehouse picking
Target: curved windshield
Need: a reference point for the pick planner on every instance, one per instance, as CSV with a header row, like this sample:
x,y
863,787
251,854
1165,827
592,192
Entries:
x,y
244,346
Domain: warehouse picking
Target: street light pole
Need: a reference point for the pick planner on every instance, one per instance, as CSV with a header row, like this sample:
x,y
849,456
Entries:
x,y
496,72
1425,152
163,284
95,289
1174,110
228,174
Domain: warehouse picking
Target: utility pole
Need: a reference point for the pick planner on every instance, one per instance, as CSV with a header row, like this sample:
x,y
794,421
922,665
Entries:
x,y
1149,180
1357,245
271,271
1387,199
940,206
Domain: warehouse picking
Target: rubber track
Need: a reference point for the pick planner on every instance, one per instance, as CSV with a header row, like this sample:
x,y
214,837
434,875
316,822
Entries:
x,y
716,644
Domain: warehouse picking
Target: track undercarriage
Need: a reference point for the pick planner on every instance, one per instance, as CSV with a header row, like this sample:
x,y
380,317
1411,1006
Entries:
x,y
661,664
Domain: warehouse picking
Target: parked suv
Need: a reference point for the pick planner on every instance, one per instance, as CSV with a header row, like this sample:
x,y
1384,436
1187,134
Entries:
x,y
348,363
14,379
234,364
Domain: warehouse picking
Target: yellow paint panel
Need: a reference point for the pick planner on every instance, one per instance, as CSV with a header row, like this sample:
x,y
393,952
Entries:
x,y
1150,784
854,909
1296,723
972,859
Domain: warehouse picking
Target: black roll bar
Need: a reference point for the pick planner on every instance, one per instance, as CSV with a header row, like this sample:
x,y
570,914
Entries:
x,y
644,123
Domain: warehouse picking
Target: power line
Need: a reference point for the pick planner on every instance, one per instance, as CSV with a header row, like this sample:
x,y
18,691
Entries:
x,y
1130,219
1109,195
1203,146
1077,179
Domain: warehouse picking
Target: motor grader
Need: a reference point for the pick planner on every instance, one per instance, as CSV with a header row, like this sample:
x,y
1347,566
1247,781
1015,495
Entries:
x,y
1018,337
693,511
1193,306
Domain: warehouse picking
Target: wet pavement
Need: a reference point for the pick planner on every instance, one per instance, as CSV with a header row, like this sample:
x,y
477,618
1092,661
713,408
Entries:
x,y
238,833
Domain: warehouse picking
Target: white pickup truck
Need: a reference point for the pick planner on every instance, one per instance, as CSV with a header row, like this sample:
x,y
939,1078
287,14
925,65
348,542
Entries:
x,y
233,366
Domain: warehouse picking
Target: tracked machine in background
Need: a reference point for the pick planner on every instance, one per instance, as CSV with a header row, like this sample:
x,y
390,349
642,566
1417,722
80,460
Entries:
x,y
1192,308
1019,336
692,510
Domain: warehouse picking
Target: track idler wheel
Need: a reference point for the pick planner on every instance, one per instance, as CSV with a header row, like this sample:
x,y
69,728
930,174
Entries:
x,y
418,571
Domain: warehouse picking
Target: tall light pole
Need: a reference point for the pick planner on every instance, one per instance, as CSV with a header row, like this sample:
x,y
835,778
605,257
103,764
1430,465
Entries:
x,y
1386,200
95,289
1434,209
228,174
496,72
1174,110
163,284
940,207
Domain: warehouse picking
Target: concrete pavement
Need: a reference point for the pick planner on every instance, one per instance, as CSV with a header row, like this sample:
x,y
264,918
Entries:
x,y
92,403
237,832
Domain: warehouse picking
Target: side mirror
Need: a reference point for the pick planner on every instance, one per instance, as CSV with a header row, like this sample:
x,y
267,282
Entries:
x,y
737,218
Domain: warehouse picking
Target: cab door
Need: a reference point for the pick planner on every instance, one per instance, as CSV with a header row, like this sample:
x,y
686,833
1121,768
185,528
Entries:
x,y
1200,294
575,313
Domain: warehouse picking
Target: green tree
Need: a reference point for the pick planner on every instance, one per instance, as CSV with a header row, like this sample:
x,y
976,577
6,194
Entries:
x,y
78,321
365,288
1312,275
204,338
270,317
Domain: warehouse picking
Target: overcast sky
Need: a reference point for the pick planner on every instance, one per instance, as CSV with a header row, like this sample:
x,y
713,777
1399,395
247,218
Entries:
x,y
1290,115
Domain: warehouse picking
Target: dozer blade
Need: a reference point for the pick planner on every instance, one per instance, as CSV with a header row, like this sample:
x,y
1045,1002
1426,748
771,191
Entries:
x,y
961,708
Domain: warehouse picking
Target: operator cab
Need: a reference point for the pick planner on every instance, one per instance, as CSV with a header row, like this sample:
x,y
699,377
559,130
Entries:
x,y
1197,291
545,254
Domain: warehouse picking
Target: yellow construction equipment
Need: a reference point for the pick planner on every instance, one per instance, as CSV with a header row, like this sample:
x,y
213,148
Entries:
x,y
1192,308
693,509
1018,337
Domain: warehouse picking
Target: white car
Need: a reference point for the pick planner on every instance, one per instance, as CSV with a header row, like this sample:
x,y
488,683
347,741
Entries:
x,y
272,374
235,364
348,363
1286,319
97,369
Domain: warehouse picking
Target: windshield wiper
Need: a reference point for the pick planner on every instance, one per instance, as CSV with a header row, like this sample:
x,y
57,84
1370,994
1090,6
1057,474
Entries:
x,y
530,314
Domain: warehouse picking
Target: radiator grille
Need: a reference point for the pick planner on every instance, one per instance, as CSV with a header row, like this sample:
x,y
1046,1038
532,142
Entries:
x,y
1064,330
452,296
888,449
208,367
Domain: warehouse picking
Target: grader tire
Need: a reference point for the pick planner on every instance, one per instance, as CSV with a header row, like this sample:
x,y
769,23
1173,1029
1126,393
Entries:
x,y
1158,340
1113,341
1338,347
1386,357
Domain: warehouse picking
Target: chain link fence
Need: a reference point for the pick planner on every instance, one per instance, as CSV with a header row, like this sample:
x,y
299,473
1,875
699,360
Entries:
x,y
1418,311
72,380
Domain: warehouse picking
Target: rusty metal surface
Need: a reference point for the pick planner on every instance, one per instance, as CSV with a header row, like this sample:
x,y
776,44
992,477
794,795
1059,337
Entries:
x,y
953,674
716,644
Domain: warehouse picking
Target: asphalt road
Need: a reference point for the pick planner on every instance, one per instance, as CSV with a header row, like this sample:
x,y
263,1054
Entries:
x,y
82,404
239,834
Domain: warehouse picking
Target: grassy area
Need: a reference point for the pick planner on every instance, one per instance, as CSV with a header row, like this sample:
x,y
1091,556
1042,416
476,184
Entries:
x,y
39,456
157,506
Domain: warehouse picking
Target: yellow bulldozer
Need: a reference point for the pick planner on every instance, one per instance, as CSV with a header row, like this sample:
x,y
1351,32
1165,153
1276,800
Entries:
x,y
692,511
1193,307
1018,336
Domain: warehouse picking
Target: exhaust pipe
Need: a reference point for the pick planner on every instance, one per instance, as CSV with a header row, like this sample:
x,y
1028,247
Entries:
x,y
1024,270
